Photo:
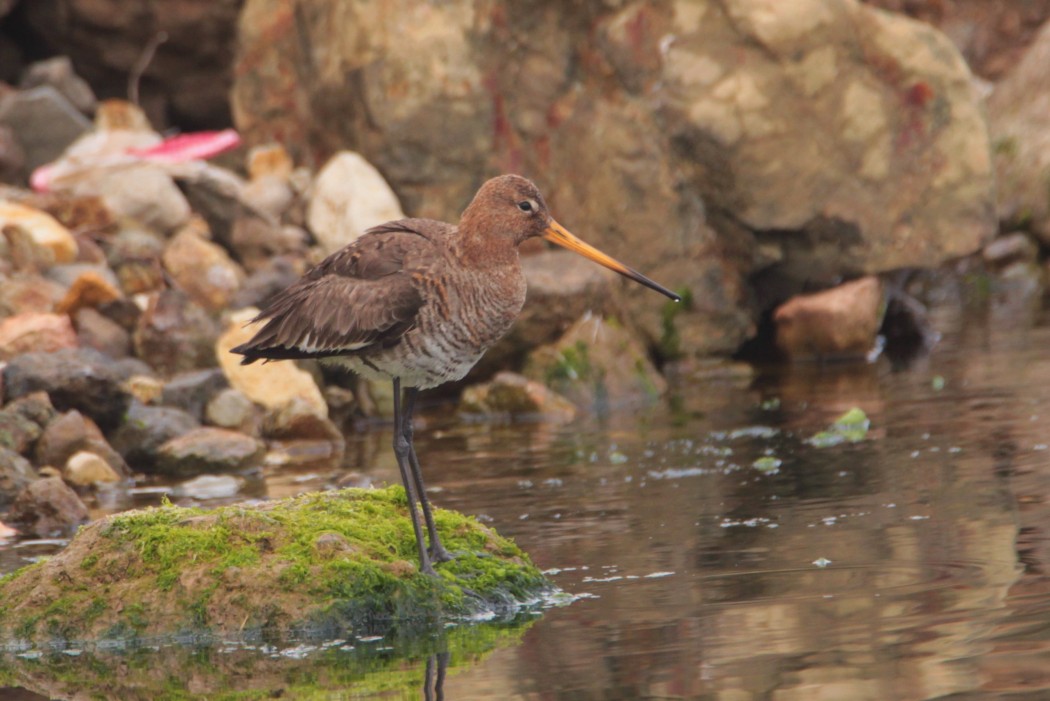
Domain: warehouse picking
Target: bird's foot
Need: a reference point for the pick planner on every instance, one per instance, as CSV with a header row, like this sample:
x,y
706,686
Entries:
x,y
438,553
428,569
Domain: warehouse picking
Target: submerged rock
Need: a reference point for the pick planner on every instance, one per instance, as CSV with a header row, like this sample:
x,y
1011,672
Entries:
x,y
339,561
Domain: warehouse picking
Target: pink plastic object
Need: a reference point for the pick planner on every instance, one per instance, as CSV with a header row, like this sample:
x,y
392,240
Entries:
x,y
189,147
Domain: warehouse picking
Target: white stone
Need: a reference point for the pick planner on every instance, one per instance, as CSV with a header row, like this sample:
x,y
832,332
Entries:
x,y
85,468
349,196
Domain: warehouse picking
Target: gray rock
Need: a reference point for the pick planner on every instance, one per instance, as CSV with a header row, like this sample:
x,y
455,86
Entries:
x,y
47,508
58,73
1011,248
81,379
15,475
210,487
22,421
207,450
43,121
145,429
191,391
232,409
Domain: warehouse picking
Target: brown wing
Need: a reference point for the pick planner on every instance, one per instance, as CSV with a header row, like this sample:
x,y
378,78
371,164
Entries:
x,y
362,295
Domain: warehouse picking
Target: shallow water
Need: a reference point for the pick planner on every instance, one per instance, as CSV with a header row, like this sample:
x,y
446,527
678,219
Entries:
x,y
910,565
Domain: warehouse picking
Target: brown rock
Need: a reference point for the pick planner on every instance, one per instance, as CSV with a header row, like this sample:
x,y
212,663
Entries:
x,y
15,475
298,419
700,142
208,449
89,289
188,77
511,395
72,433
174,334
835,323
101,333
1020,126
135,256
1009,249
32,331
48,508
596,364
36,239
201,269
28,292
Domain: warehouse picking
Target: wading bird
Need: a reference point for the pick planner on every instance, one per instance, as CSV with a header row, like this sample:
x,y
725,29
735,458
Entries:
x,y
418,302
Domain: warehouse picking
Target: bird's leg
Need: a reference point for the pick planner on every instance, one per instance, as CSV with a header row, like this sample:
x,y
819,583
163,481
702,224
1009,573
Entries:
x,y
402,451
437,551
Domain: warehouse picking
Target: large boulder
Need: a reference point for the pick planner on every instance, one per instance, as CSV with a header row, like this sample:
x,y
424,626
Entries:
x,y
1019,119
737,152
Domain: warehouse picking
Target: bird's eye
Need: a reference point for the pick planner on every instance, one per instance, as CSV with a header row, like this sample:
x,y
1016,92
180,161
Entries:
x,y
525,206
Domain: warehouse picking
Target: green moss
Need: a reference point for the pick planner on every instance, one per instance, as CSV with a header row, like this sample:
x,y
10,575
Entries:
x,y
670,345
571,364
851,427
345,560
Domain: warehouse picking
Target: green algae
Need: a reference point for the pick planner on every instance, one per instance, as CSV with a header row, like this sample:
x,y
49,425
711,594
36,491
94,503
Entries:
x,y
332,562
851,427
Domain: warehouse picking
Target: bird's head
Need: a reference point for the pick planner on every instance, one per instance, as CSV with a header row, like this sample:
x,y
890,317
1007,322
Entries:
x,y
511,209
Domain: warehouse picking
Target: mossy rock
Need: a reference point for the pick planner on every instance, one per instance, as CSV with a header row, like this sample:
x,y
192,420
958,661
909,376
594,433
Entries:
x,y
318,565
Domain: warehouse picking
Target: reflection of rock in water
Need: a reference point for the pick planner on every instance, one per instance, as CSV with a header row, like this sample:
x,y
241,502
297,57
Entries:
x,y
399,668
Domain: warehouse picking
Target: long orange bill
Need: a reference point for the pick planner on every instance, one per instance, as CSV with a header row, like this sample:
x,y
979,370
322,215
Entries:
x,y
556,233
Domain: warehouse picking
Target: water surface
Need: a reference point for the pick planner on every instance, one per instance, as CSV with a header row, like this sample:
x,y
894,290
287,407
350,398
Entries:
x,y
910,565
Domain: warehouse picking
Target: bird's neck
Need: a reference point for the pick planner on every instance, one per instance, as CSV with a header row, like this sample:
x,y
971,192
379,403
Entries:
x,y
482,252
